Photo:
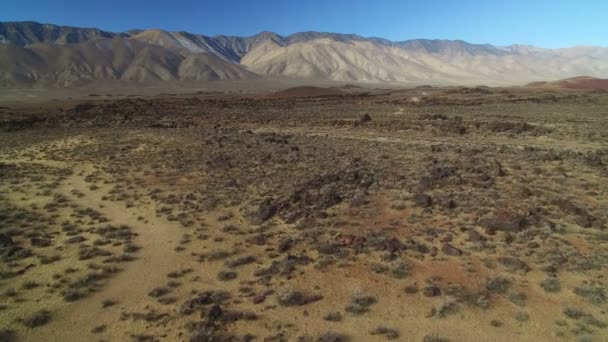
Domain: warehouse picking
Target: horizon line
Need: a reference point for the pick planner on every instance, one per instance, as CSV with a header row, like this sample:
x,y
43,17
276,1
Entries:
x,y
307,31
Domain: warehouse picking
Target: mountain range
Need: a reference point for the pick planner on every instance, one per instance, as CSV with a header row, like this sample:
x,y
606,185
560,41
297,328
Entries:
x,y
43,54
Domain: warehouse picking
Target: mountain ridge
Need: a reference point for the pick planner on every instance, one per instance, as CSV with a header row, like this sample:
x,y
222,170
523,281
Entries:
x,y
290,37
303,55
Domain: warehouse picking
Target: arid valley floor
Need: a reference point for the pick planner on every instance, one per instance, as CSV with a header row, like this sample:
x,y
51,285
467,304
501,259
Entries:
x,y
310,214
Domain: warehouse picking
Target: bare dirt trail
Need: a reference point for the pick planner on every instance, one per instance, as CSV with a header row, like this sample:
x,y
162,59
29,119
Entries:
x,y
129,288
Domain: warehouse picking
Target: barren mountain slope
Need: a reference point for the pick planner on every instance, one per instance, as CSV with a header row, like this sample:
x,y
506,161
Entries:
x,y
343,57
326,58
203,66
108,59
306,55
24,33
447,62
226,47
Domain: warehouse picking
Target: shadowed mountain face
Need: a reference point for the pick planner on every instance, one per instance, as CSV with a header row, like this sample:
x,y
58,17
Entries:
x,y
33,53
29,32
109,59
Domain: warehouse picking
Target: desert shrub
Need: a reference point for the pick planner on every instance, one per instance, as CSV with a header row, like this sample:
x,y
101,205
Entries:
x,y
37,319
551,285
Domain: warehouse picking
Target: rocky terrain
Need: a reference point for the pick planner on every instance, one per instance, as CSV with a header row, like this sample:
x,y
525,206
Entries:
x,y
307,214
33,54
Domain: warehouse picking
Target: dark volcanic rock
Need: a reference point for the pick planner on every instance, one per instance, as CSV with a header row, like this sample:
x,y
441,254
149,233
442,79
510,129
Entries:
x,y
328,248
202,299
365,118
423,200
297,298
514,264
583,217
431,291
439,175
285,244
5,240
393,245
504,221
324,191
40,242
215,312
498,285
329,196
284,267
451,250
473,235
258,299
261,212
449,204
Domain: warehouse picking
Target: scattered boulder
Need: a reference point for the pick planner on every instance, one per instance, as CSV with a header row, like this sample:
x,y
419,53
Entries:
x,y
328,248
411,289
431,291
498,285
283,267
513,264
5,240
393,245
258,299
214,313
240,261
439,175
365,118
333,317
356,242
158,292
329,196
227,275
202,299
323,191
418,247
448,249
475,236
297,298
40,242
333,337
582,217
423,200
285,244
504,221
262,211
389,333
491,168
449,204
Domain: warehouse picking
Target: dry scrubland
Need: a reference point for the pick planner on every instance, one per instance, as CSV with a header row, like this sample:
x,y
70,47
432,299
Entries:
x,y
455,214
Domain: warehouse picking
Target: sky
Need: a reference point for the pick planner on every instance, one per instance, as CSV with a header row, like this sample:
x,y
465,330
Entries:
x,y
544,23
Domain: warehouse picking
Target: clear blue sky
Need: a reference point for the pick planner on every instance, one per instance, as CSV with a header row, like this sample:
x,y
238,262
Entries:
x,y
545,23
